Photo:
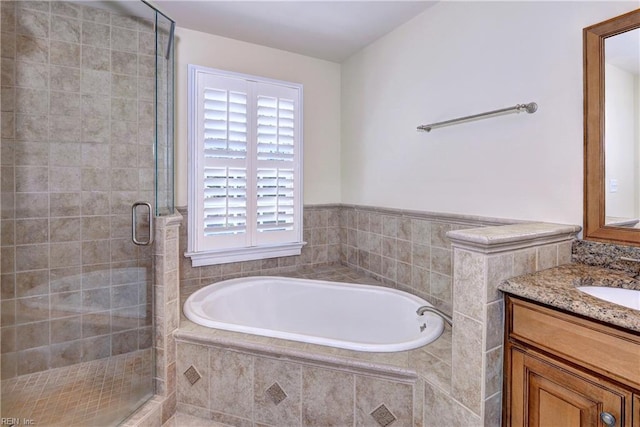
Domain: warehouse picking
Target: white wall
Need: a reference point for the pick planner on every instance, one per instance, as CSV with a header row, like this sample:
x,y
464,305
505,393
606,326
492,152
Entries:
x,y
321,80
461,58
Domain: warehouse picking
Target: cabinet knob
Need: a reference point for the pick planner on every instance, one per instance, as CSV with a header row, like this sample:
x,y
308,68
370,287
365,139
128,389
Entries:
x,y
608,419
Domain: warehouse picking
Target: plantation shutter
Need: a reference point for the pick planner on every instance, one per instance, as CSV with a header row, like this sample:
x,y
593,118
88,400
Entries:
x,y
276,155
225,161
245,194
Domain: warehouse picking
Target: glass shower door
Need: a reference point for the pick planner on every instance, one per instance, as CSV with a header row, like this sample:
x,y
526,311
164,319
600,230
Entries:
x,y
81,117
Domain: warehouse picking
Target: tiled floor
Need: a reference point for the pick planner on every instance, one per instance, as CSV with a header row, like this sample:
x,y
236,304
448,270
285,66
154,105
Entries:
x,y
97,393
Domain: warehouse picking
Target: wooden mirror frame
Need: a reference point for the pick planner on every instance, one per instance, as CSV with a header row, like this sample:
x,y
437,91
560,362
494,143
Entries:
x,y
594,139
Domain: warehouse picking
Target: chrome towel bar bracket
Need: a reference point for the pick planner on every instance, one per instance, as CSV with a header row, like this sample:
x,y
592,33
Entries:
x,y
530,108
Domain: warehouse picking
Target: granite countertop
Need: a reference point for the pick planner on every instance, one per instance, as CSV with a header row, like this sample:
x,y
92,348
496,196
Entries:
x,y
556,287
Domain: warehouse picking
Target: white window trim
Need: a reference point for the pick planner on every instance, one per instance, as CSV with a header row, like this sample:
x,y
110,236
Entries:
x,y
227,255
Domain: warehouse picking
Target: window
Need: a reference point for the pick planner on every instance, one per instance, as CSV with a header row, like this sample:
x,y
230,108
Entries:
x,y
245,167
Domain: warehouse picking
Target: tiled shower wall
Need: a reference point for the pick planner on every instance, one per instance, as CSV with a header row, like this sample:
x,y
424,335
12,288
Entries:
x,y
402,249
77,135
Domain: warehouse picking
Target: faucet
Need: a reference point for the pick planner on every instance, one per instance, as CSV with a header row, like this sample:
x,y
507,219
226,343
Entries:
x,y
434,310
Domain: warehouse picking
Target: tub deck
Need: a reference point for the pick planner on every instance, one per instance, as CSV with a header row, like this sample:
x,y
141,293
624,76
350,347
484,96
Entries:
x,y
431,362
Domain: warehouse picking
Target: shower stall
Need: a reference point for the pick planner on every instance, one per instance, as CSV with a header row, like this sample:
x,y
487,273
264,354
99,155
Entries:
x,y
86,158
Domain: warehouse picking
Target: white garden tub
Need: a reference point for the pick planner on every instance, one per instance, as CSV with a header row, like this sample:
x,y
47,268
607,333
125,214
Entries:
x,y
356,317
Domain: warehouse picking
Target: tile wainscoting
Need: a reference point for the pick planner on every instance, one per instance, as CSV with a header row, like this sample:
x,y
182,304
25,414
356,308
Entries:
x,y
457,385
407,250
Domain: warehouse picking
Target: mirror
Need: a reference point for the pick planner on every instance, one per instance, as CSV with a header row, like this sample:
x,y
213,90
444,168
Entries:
x,y
621,120
612,130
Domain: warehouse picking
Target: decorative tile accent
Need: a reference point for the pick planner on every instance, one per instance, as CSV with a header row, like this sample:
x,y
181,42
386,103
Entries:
x,y
276,393
192,374
383,416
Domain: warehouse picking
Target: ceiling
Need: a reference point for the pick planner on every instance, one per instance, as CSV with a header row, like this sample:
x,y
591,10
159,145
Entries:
x,y
330,30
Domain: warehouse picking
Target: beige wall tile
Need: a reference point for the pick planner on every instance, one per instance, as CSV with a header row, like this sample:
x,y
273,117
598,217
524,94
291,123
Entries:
x,y
32,49
32,335
32,309
8,339
467,350
327,397
67,329
395,396
493,410
8,16
32,257
424,256
92,14
31,127
30,179
124,62
64,103
7,104
95,58
66,9
95,34
123,21
547,256
124,40
32,283
31,75
31,231
123,86
524,262
493,371
32,101
468,283
198,393
31,205
65,354
96,348
231,383
66,54
96,78
404,228
96,252
124,342
499,268
32,360
65,28
288,377
441,409
494,324
65,79
8,72
33,23
564,253
8,259
64,128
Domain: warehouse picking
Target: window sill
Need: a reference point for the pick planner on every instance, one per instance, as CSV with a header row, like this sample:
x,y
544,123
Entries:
x,y
199,259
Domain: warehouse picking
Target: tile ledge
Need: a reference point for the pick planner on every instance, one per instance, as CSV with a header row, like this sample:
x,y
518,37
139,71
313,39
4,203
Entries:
x,y
512,237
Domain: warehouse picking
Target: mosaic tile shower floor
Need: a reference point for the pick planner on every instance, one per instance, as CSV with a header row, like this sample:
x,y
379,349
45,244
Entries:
x,y
96,393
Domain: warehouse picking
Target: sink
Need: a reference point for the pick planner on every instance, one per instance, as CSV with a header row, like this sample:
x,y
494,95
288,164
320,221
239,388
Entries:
x,y
625,297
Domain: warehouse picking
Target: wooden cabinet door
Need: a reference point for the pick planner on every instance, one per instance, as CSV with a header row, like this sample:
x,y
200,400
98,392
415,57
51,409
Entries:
x,y
545,394
636,410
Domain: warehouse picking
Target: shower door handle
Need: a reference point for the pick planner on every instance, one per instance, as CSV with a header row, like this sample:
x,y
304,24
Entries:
x,y
134,224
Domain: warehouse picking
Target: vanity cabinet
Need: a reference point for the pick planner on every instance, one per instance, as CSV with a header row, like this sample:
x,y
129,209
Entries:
x,y
565,370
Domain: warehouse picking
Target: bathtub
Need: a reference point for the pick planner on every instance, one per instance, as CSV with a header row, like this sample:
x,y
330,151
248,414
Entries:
x,y
355,317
